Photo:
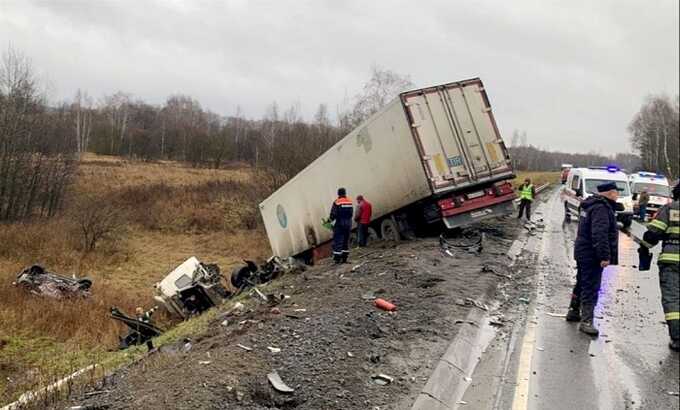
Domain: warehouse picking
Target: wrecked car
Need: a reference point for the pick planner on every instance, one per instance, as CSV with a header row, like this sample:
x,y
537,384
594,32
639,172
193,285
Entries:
x,y
251,274
191,288
140,330
39,281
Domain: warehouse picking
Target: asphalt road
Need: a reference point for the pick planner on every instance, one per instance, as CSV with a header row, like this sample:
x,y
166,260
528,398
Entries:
x,y
546,363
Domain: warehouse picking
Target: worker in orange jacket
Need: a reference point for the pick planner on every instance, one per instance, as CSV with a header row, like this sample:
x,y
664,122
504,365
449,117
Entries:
x,y
341,213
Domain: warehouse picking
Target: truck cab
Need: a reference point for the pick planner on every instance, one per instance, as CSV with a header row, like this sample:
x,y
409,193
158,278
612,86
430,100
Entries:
x,y
657,187
582,183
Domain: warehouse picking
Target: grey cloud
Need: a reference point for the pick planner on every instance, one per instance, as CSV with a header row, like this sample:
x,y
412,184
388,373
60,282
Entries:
x,y
571,74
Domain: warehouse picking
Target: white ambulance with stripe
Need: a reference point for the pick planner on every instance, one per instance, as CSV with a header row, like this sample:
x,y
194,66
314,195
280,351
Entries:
x,y
582,183
657,187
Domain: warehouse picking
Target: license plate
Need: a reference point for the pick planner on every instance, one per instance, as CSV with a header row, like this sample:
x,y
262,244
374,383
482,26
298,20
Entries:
x,y
475,195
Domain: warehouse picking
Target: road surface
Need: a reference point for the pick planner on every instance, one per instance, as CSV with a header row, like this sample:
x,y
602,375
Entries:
x,y
544,362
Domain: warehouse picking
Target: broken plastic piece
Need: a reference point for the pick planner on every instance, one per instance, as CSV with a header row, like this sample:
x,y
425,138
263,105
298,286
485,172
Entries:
x,y
246,348
382,379
274,349
278,384
384,305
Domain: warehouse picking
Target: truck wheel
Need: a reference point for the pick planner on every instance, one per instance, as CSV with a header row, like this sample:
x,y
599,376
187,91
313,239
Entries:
x,y
389,230
372,235
567,215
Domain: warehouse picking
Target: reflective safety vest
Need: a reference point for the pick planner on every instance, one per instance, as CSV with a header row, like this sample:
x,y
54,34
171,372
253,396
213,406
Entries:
x,y
527,192
665,227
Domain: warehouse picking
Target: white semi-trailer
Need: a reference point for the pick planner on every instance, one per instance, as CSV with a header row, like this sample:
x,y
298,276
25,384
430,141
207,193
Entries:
x,y
431,155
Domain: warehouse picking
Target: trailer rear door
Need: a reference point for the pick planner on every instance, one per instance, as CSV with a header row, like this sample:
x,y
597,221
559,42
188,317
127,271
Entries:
x,y
456,135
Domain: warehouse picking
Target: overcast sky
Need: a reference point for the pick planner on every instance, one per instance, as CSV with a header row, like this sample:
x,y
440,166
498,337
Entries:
x,y
570,73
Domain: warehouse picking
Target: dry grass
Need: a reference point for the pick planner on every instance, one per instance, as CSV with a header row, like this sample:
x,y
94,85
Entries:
x,y
537,178
169,212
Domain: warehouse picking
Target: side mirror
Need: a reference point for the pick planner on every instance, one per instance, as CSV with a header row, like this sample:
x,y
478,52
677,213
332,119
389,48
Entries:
x,y
635,197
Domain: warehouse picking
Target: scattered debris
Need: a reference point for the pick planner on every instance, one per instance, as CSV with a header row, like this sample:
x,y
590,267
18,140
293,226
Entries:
x,y
274,349
461,402
357,267
524,300
38,281
467,379
496,323
382,379
278,384
204,362
299,310
674,393
246,348
275,311
477,304
368,296
555,314
384,305
540,349
350,354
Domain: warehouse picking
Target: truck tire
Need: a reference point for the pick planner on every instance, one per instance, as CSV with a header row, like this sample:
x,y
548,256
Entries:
x,y
389,230
627,222
567,215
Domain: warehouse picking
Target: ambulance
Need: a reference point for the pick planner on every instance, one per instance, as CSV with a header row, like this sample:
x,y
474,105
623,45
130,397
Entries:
x,y
657,187
582,183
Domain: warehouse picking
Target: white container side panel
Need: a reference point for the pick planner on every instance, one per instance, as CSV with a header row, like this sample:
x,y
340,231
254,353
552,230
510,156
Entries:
x,y
457,133
378,160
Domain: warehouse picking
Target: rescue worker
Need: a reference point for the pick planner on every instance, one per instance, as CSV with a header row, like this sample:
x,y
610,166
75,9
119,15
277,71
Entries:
x,y
596,247
145,317
341,213
665,227
526,197
643,201
363,218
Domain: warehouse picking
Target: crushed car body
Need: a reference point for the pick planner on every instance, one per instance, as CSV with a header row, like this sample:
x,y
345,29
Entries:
x,y
191,288
39,281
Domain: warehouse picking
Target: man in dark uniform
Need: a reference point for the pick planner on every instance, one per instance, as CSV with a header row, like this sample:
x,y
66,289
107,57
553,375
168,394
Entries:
x,y
596,247
665,227
341,213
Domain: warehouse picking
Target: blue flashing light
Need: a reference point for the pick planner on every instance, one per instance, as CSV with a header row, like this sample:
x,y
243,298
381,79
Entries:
x,y
612,168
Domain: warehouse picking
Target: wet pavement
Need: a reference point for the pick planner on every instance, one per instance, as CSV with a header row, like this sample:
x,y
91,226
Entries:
x,y
544,362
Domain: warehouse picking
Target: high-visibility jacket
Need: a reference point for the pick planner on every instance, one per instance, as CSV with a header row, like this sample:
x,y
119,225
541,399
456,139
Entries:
x,y
341,212
665,227
526,192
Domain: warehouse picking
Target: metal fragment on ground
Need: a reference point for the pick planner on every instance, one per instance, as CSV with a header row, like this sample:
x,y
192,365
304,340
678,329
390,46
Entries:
x,y
278,384
382,379
246,348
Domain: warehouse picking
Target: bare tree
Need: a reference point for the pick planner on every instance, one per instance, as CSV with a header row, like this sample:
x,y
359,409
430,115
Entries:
x,y
382,87
82,111
655,134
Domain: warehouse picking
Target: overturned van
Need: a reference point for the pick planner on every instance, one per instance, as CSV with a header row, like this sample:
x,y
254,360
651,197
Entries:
x,y
192,288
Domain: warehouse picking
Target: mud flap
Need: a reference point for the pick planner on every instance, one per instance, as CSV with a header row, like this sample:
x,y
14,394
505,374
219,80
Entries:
x,y
468,218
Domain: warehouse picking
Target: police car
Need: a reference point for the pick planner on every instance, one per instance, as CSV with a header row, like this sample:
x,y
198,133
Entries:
x,y
582,183
657,187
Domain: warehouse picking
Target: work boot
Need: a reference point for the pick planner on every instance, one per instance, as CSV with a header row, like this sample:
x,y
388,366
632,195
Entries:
x,y
573,315
674,345
574,312
674,331
586,326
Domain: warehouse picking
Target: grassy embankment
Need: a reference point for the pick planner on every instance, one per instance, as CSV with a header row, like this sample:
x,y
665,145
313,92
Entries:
x,y
163,214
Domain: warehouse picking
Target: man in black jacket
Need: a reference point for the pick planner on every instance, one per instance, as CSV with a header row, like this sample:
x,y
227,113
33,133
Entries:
x,y
596,247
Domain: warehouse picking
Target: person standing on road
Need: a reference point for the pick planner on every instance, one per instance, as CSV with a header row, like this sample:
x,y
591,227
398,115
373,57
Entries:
x,y
665,227
596,247
341,213
643,200
363,218
526,197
